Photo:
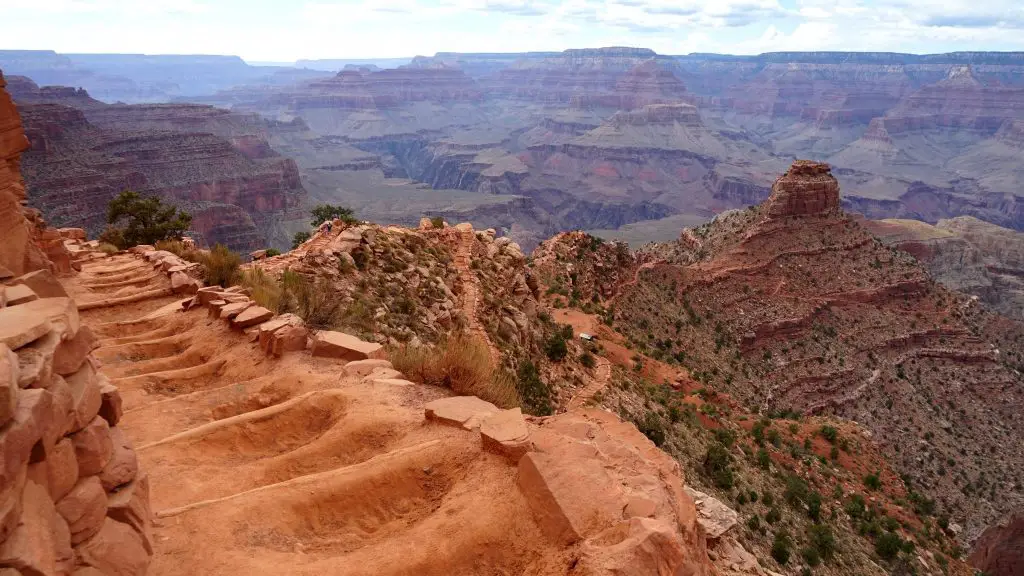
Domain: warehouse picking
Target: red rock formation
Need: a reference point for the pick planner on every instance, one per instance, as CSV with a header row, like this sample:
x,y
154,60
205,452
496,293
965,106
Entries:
x,y
1000,549
958,101
806,189
18,252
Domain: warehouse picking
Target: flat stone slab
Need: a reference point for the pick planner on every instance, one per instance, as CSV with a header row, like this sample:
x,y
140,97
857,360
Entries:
x,y
42,283
465,411
19,294
234,309
505,433
715,517
251,316
61,312
19,326
361,368
343,346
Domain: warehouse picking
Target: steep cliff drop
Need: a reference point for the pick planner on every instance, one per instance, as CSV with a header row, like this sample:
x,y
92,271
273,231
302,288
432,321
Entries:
x,y
1000,549
72,495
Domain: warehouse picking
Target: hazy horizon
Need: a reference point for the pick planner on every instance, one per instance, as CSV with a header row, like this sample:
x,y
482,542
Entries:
x,y
275,31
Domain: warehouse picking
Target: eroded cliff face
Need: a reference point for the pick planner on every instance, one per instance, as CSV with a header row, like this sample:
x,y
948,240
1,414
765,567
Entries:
x,y
207,161
18,253
1000,549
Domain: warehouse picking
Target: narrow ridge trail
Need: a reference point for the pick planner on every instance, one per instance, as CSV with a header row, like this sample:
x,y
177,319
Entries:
x,y
292,465
471,291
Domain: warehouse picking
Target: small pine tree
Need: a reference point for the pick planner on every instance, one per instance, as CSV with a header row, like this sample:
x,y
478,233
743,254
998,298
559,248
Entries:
x,y
323,212
134,219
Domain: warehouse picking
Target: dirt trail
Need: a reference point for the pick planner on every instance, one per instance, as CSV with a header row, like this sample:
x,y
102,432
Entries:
x,y
264,465
471,292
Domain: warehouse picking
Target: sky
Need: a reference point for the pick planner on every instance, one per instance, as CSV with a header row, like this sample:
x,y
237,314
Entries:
x,y
288,30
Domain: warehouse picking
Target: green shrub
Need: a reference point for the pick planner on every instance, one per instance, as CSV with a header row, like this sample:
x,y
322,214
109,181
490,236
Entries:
x,y
717,465
323,212
135,220
587,360
556,348
773,515
811,556
829,433
822,541
273,252
652,427
888,546
437,222
221,266
814,506
299,239
533,392
873,482
855,506
781,547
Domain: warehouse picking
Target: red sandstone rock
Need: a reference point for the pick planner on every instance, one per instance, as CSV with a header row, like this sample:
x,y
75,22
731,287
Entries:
x,y
18,294
807,188
465,411
129,504
361,368
32,548
123,464
19,326
85,391
84,508
43,283
506,433
229,311
110,404
999,551
116,550
20,435
8,384
70,355
250,317
343,346
59,469
93,447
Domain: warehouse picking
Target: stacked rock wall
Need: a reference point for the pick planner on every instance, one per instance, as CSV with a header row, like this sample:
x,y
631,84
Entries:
x,y
72,498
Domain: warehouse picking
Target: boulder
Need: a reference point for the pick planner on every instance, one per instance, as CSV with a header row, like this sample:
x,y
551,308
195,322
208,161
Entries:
x,y
384,374
361,368
123,464
343,346
208,294
646,546
250,317
129,505
20,326
571,497
505,433
84,508
93,447
70,355
289,339
43,283
85,392
35,360
182,283
716,518
63,412
73,234
19,294
111,407
32,547
58,471
465,411
116,550
8,384
21,434
10,505
258,254
61,312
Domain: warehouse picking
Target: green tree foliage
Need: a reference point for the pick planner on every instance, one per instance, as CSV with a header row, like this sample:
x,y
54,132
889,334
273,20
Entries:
x,y
135,220
781,547
717,465
323,212
533,392
299,239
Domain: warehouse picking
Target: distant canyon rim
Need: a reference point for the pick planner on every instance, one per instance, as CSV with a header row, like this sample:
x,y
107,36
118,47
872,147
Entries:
x,y
622,141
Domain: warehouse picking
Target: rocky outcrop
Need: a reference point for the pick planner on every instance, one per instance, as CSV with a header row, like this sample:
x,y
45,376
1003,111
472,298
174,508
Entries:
x,y
999,551
806,189
18,253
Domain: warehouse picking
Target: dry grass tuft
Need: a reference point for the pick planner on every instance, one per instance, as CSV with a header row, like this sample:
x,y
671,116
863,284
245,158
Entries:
x,y
461,363
266,291
108,248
